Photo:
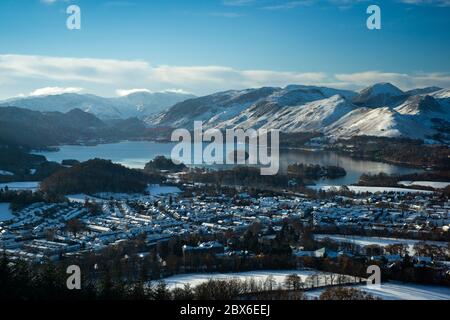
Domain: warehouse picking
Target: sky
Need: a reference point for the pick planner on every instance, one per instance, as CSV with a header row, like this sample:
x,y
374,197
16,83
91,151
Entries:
x,y
205,46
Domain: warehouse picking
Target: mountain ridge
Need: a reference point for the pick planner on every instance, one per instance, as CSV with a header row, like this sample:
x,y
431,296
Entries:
x,y
137,104
380,110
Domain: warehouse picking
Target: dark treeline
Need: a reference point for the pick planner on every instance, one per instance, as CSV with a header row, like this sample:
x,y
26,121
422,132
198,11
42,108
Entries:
x,y
24,166
24,198
98,176
435,234
395,150
48,281
162,163
297,139
386,180
250,177
238,176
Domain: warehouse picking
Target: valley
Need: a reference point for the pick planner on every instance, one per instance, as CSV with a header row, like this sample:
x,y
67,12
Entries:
x,y
362,180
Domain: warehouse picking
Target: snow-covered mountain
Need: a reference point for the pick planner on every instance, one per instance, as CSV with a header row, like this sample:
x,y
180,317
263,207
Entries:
x,y
423,105
379,110
146,103
311,116
443,98
426,90
230,108
380,95
381,122
139,104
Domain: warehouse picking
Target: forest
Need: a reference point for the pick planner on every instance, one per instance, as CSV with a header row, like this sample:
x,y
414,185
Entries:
x,y
404,151
98,176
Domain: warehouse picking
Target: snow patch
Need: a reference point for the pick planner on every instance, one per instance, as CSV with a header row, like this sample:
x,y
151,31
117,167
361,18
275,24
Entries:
x,y
6,173
29,185
361,189
5,212
432,184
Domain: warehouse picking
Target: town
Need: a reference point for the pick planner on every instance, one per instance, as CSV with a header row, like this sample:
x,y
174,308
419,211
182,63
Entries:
x,y
195,228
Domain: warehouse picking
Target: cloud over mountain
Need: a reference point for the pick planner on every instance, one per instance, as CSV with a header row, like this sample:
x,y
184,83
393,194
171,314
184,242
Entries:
x,y
25,73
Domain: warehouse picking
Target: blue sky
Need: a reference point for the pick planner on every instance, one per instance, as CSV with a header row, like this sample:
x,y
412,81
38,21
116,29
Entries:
x,y
202,46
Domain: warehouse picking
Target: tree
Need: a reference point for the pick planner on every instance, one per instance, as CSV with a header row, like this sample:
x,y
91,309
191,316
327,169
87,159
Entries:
x,y
5,276
74,226
341,293
138,291
270,283
293,282
185,293
396,248
161,291
106,285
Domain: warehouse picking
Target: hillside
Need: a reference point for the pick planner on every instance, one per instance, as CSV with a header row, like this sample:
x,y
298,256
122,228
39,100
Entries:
x,y
137,104
381,110
17,165
98,176
34,130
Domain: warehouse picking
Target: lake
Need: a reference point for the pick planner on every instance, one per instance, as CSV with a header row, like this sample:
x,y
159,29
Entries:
x,y
135,154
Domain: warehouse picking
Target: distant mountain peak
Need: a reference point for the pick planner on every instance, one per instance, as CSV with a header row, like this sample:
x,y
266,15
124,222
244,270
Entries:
x,y
420,104
383,88
426,90
380,95
136,104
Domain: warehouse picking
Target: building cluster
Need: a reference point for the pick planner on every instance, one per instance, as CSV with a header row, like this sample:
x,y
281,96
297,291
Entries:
x,y
53,230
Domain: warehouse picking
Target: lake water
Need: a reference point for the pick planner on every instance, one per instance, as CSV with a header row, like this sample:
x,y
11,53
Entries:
x,y
135,154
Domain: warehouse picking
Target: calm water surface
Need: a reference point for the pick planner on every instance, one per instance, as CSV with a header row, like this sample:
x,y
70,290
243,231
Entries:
x,y
135,154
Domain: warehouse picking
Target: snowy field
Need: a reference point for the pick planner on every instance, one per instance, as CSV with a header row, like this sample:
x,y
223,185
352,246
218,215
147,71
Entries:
x,y
360,189
178,281
432,184
387,291
383,242
31,185
5,212
399,291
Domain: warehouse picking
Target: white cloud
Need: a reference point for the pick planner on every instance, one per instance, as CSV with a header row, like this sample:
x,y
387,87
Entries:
x,y
342,4
75,69
48,1
22,73
126,92
48,91
179,91
402,80
438,3
289,5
